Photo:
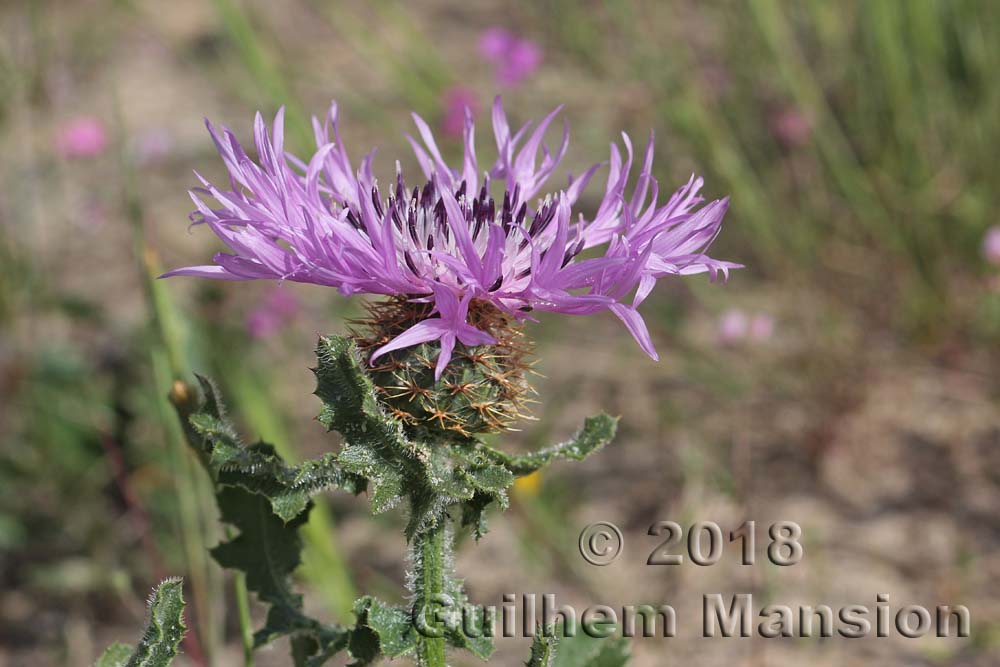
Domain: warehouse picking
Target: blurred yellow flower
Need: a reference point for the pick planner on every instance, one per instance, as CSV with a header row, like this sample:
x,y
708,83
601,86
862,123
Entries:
x,y
529,485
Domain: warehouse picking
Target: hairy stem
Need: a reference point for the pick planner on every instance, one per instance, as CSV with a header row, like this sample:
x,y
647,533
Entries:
x,y
432,559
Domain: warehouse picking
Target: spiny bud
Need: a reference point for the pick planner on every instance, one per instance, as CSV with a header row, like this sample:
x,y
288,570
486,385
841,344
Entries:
x,y
483,388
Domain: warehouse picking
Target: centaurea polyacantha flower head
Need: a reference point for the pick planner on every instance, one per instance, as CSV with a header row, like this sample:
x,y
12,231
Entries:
x,y
453,243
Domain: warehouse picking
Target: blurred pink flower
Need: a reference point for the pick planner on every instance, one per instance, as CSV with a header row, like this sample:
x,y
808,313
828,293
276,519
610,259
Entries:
x,y
513,58
736,326
733,326
991,245
791,127
81,137
761,328
494,43
456,100
274,312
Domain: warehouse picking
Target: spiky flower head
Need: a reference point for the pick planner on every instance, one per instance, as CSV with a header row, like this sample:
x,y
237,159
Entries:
x,y
483,389
454,243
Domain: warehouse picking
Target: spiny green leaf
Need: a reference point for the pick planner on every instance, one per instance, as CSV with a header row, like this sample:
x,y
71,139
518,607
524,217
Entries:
x,y
427,510
165,628
164,631
493,471
597,432
543,648
258,468
377,449
472,634
350,405
489,478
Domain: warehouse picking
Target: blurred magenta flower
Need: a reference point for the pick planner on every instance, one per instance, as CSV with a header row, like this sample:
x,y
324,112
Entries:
x,y
276,310
458,101
791,127
733,326
991,245
81,137
322,221
513,58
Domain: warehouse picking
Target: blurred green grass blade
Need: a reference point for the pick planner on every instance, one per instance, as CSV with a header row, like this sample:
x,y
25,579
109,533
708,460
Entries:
x,y
409,60
684,107
266,75
169,361
836,150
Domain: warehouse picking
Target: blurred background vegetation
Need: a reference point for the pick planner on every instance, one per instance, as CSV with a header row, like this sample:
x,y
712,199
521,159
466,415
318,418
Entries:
x,y
846,379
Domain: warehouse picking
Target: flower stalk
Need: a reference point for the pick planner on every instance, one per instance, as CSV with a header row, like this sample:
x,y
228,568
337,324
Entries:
x,y
431,556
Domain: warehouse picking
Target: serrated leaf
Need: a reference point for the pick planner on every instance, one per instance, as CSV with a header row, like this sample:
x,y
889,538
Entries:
x,y
597,432
381,630
164,631
267,501
474,513
116,655
472,636
267,550
490,478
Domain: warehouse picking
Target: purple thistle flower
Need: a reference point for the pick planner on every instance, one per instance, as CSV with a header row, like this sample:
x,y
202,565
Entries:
x,y
450,241
513,58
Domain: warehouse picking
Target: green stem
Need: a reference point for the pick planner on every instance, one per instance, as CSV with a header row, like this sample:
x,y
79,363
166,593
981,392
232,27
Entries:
x,y
431,554
243,608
